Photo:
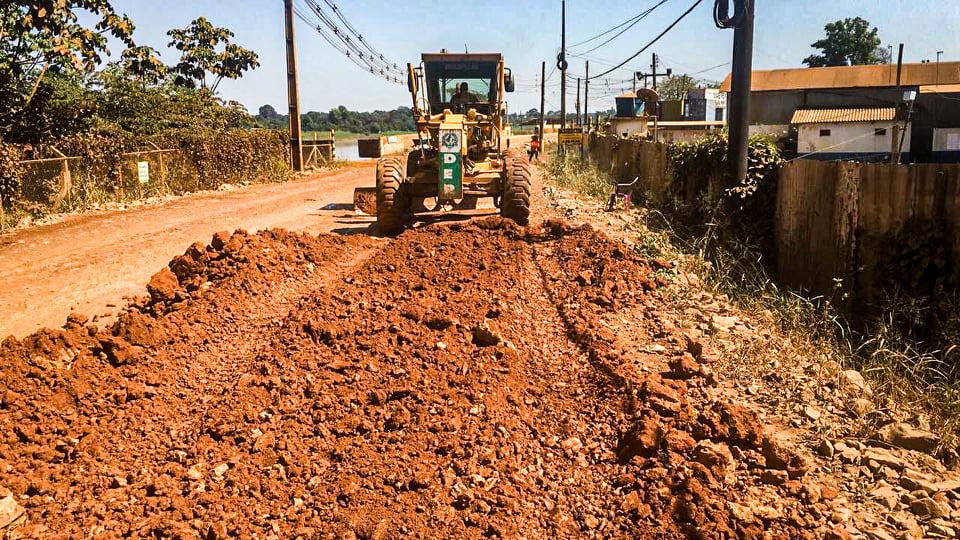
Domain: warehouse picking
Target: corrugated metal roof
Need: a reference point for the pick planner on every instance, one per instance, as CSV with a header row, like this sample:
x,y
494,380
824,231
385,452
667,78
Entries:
x,y
837,116
882,75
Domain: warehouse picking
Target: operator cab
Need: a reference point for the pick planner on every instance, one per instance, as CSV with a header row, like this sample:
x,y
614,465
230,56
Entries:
x,y
460,82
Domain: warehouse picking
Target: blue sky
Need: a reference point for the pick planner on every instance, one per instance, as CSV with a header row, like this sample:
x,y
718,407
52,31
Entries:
x,y
527,32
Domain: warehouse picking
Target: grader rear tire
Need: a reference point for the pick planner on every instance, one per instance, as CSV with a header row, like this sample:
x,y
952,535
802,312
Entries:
x,y
391,199
515,200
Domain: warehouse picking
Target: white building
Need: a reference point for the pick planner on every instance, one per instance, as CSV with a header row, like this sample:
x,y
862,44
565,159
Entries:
x,y
862,134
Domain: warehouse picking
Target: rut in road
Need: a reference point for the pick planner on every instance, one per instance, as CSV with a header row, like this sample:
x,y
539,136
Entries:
x,y
471,380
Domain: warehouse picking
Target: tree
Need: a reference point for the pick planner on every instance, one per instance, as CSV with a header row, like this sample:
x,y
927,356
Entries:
x,y
268,112
199,43
143,64
849,42
676,87
44,38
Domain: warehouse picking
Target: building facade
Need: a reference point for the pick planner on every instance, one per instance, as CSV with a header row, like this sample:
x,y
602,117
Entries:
x,y
926,123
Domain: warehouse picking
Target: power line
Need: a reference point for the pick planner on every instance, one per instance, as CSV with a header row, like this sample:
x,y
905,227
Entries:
x,y
654,40
344,44
639,18
373,50
373,61
615,28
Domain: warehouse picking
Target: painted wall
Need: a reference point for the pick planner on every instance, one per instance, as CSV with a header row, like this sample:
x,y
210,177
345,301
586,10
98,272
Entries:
x,y
946,145
628,127
848,140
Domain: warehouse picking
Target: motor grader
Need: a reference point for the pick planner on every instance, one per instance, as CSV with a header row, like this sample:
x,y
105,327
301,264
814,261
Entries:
x,y
461,152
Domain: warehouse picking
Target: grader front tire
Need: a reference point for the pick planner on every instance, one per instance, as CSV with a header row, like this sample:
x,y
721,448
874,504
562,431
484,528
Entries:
x,y
391,204
515,200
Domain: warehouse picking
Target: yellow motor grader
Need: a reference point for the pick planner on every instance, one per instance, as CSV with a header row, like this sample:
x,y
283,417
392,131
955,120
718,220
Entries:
x,y
461,151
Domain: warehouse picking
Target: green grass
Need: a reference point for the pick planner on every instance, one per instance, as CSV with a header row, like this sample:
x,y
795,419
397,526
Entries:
x,y
573,173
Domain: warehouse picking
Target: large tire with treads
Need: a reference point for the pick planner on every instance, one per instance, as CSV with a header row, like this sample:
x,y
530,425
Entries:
x,y
515,199
391,198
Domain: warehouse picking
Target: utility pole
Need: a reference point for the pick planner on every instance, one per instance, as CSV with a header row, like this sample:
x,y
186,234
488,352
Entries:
x,y
899,65
740,94
653,71
543,98
586,95
578,102
293,92
562,63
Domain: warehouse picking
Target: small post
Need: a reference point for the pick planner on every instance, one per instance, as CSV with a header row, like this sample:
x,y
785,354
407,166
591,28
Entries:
x,y
120,182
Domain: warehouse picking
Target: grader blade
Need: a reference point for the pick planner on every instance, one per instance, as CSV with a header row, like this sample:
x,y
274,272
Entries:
x,y
365,200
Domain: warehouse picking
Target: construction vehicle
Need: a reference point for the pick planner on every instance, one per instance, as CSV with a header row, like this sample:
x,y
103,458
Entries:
x,y
461,151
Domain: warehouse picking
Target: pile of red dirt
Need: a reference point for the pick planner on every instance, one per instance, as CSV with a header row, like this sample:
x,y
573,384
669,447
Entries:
x,y
463,381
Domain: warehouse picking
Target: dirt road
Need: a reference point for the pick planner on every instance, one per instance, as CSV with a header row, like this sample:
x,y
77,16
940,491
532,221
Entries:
x,y
470,379
89,263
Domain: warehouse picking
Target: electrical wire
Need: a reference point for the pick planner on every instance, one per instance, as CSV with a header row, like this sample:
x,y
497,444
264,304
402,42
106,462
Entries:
x,y
600,35
654,40
639,18
373,50
343,44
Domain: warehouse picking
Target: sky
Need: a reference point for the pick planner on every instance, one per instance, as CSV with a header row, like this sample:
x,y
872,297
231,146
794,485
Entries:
x,y
527,32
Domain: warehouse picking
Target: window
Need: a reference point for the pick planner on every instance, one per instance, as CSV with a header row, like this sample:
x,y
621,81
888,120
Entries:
x,y
824,132
880,132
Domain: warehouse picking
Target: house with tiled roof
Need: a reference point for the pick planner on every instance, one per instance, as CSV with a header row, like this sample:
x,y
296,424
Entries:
x,y
862,112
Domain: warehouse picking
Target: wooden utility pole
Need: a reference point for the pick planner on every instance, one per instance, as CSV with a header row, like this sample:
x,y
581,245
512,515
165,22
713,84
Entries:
x,y
293,92
543,99
562,63
578,102
586,94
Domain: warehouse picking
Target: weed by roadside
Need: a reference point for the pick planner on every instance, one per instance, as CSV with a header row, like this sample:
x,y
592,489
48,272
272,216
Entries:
x,y
907,375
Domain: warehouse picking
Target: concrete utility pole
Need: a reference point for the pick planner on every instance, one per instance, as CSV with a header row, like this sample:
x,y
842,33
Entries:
x,y
293,92
586,95
543,97
653,71
578,102
562,63
740,95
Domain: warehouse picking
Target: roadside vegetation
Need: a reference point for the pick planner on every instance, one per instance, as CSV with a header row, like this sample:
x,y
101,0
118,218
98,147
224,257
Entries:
x,y
907,348
60,97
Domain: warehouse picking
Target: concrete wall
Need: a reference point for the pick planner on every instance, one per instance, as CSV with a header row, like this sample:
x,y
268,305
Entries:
x,y
626,159
840,221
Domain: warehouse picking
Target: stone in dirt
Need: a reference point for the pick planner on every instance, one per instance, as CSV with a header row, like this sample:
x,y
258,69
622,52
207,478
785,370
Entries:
x,y
929,508
904,435
10,509
715,456
119,352
642,439
483,337
780,456
163,286
684,366
853,384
